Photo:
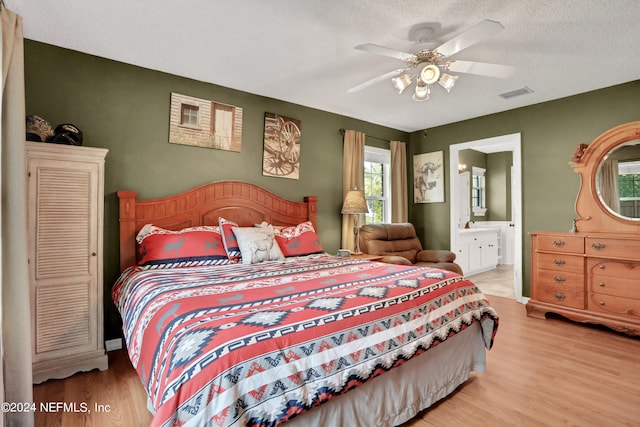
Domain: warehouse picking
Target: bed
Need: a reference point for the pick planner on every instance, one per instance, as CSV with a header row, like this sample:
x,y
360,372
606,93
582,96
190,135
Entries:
x,y
304,338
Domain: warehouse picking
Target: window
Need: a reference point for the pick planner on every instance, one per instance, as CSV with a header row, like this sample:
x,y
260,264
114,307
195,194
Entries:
x,y
189,115
629,182
377,184
478,191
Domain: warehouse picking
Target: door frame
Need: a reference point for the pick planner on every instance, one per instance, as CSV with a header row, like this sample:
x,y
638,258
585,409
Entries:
x,y
510,142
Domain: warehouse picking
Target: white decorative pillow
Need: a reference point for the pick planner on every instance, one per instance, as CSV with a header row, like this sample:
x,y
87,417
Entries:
x,y
257,244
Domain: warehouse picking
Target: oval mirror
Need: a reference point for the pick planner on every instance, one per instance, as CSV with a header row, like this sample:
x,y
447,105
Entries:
x,y
618,180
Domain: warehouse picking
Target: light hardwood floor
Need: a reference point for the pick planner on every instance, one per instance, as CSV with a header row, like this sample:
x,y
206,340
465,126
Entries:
x,y
539,373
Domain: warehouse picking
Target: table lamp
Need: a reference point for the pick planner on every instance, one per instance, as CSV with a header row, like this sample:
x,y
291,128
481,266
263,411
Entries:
x,y
355,204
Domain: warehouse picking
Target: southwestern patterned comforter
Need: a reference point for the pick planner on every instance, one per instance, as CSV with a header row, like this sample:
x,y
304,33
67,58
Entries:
x,y
258,344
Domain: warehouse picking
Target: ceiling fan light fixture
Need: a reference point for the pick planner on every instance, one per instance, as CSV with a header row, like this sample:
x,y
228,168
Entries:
x,y
430,74
447,81
421,93
401,82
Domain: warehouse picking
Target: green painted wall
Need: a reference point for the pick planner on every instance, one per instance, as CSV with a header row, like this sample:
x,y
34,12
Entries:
x,y
126,109
550,132
499,186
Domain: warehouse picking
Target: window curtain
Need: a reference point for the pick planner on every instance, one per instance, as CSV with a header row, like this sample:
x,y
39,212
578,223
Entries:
x,y
352,179
15,339
610,184
399,204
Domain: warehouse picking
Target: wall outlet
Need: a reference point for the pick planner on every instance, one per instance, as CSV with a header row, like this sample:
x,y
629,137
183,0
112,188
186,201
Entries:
x,y
114,344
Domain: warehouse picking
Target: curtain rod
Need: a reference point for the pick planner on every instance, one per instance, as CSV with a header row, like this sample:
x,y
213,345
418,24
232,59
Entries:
x,y
342,131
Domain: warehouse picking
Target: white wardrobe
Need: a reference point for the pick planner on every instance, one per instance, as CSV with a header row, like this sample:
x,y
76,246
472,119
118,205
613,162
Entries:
x,y
65,225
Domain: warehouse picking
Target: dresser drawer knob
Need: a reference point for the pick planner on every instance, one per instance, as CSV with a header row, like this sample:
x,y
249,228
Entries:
x,y
559,243
601,266
559,262
601,303
598,246
559,279
601,284
559,296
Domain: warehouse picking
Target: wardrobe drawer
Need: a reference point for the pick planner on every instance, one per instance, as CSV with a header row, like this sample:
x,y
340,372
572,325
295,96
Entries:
x,y
561,243
561,262
561,279
613,248
614,305
626,288
613,268
559,295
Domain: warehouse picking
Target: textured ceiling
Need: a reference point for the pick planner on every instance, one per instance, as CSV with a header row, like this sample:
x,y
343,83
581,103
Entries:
x,y
303,51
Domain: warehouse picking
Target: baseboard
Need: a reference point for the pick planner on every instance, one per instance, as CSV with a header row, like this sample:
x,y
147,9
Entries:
x,y
114,344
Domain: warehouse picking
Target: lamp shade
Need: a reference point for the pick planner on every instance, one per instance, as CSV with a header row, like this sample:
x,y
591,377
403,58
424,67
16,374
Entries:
x,y
430,74
421,92
401,82
355,203
447,81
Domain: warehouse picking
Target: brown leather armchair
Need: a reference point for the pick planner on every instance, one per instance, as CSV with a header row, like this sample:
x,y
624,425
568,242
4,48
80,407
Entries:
x,y
398,244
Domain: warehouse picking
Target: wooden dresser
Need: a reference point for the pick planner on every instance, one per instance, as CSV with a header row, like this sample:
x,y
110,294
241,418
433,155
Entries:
x,y
65,221
593,274
587,277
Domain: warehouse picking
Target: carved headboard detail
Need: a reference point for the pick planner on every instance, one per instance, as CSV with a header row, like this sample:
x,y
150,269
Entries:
x,y
241,202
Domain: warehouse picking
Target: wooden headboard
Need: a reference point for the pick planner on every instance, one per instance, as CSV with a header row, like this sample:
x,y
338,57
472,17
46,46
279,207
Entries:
x,y
241,202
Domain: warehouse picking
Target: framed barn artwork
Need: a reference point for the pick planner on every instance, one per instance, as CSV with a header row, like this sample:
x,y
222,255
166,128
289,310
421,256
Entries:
x,y
205,123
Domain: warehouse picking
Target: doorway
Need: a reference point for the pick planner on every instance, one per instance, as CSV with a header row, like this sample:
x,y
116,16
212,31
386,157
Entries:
x,y
505,143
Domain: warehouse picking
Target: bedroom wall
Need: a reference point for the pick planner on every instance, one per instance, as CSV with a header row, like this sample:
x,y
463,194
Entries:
x,y
499,186
550,132
126,109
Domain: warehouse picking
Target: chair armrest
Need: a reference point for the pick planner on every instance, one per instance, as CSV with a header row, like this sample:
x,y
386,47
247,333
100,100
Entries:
x,y
433,255
394,259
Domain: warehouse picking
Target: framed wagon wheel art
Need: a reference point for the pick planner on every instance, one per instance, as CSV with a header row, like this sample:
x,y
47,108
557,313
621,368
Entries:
x,y
281,153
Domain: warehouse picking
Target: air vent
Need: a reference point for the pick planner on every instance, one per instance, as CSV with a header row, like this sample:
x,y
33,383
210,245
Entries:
x,y
517,92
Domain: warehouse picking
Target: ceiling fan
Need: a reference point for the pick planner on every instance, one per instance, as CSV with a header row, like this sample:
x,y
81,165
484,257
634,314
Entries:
x,y
428,66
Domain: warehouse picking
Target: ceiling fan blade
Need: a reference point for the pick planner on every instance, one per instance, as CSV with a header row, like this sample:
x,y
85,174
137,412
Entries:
x,y
481,68
381,50
375,80
473,35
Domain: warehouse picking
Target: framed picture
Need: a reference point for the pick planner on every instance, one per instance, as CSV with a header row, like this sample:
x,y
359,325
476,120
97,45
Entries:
x,y
281,155
205,123
428,178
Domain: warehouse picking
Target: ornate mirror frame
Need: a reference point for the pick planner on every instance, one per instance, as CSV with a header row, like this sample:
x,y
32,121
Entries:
x,y
593,215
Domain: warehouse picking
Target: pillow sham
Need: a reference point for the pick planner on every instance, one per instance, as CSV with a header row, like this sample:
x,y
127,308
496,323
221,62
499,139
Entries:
x,y
299,240
257,244
188,247
229,239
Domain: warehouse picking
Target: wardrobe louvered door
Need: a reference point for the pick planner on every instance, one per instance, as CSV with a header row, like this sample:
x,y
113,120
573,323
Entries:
x,y
66,199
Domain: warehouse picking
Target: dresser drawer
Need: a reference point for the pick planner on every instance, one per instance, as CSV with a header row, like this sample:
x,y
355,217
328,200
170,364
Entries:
x,y
613,268
561,243
561,279
626,288
559,295
614,305
561,262
612,248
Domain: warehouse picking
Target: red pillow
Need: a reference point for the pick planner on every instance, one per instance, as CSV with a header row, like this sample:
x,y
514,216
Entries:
x,y
162,248
229,240
299,240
